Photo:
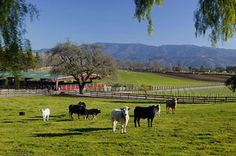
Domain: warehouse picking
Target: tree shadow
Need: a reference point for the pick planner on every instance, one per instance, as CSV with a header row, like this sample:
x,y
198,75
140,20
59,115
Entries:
x,y
84,130
55,134
63,120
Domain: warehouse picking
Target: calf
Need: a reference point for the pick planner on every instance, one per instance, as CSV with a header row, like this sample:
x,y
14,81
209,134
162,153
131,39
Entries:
x,y
122,116
171,104
77,108
45,114
146,113
93,112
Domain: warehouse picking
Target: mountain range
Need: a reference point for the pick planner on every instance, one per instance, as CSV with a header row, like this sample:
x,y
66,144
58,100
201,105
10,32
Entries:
x,y
171,55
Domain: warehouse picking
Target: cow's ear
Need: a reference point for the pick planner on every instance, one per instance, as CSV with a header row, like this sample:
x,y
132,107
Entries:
x,y
129,108
121,108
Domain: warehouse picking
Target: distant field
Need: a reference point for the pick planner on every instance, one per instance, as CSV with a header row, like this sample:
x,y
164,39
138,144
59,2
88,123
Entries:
x,y
208,129
215,92
153,79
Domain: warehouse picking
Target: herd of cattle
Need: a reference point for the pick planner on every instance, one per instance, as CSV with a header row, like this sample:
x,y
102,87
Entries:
x,y
118,115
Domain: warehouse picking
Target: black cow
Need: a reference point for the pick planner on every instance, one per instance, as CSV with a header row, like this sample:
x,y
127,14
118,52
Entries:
x,y
146,112
93,112
171,104
77,108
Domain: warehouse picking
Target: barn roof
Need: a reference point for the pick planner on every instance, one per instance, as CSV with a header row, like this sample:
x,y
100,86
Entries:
x,y
32,75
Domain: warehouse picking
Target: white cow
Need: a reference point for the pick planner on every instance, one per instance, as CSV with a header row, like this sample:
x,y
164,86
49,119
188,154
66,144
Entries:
x,y
122,116
45,114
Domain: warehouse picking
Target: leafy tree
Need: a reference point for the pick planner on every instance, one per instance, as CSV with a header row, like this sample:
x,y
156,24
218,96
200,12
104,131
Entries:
x,y
231,69
231,83
217,16
30,59
38,60
81,62
143,10
12,17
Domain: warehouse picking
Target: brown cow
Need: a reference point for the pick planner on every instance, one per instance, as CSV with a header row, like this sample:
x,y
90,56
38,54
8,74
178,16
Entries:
x,y
171,104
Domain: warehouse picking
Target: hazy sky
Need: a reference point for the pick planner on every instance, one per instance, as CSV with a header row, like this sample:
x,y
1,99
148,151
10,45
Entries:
x,y
90,21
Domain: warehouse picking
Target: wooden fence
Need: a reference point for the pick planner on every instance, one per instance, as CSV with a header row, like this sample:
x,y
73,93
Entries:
x,y
23,92
119,95
163,98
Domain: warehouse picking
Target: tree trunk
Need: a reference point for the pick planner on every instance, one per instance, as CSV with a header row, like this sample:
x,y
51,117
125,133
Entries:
x,y
81,88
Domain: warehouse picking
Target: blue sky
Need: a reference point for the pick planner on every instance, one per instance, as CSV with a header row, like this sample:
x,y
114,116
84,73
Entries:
x,y
90,21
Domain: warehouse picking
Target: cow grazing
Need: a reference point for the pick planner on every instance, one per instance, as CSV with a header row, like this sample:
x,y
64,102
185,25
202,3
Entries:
x,y
146,113
45,114
93,112
77,108
171,104
122,116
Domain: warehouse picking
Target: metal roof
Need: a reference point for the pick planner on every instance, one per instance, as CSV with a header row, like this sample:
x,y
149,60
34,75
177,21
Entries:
x,y
32,75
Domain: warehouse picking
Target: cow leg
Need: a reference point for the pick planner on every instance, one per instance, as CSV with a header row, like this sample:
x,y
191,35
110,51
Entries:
x,y
139,122
151,121
135,119
122,128
148,122
125,128
113,126
173,110
70,114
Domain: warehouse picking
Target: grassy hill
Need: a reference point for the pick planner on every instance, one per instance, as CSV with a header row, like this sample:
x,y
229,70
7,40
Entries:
x,y
153,79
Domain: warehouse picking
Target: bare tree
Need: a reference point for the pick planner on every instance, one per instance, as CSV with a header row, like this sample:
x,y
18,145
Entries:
x,y
84,62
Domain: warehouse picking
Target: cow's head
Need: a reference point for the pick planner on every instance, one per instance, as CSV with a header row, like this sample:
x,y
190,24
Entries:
x,y
125,112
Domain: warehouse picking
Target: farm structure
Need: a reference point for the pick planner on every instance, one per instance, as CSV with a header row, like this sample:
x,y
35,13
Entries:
x,y
41,80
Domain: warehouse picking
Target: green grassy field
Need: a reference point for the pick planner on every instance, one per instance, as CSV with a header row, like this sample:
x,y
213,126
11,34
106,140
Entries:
x,y
139,78
208,129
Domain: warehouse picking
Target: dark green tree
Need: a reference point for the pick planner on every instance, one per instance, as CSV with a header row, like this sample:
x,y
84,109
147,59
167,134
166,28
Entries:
x,y
231,83
13,14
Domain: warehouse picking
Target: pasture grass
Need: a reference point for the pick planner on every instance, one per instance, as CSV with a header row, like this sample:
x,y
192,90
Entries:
x,y
208,129
153,79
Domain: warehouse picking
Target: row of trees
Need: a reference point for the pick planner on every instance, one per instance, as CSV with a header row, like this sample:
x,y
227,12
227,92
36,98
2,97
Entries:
x,y
22,60
157,67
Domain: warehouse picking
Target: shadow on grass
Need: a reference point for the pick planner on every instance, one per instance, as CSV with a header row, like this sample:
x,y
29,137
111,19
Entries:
x,y
84,130
55,134
76,131
7,121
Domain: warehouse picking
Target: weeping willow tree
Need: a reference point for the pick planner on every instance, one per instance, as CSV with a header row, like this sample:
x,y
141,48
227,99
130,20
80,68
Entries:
x,y
143,11
216,17
13,14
